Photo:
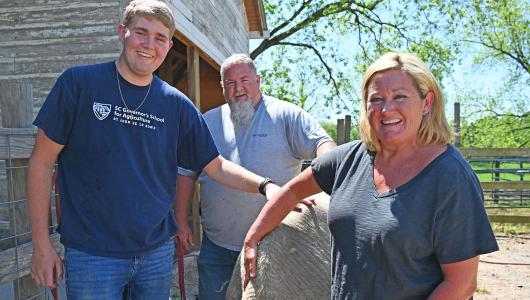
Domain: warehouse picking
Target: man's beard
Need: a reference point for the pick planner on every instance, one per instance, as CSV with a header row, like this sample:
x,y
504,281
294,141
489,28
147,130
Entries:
x,y
241,112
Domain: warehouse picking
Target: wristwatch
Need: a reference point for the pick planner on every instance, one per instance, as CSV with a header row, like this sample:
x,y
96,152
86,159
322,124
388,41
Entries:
x,y
262,185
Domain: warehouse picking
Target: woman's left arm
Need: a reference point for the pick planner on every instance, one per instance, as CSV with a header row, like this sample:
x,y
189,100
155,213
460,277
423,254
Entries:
x,y
460,280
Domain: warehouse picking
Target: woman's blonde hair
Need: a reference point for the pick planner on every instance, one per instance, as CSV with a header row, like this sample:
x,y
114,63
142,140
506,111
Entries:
x,y
434,128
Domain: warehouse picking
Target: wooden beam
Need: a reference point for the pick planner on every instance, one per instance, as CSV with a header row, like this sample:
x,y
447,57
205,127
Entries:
x,y
495,152
347,128
16,102
256,20
203,54
194,79
15,146
509,219
196,218
457,124
340,131
506,185
194,90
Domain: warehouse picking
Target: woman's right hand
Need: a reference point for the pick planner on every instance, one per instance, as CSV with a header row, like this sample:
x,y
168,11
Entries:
x,y
250,252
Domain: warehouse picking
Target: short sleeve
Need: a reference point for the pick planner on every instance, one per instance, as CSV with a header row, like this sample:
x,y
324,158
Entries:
x,y
185,172
462,228
57,114
325,167
305,135
196,146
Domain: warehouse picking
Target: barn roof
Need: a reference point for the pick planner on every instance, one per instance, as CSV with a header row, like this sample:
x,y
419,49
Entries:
x,y
257,24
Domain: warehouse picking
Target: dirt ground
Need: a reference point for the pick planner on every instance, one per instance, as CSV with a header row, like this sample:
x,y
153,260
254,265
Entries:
x,y
505,274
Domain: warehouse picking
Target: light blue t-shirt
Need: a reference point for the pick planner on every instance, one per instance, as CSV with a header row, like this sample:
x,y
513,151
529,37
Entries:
x,y
280,137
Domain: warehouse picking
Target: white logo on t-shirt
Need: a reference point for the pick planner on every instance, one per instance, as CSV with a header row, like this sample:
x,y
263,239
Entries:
x,y
101,110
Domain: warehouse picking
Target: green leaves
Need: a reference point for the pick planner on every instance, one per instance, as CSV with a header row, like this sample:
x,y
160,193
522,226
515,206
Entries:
x,y
505,131
319,49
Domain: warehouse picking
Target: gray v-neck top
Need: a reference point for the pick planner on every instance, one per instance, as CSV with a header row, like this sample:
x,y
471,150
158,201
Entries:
x,y
390,245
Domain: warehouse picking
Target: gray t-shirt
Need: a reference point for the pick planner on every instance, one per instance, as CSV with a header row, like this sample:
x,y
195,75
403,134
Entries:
x,y
390,245
274,145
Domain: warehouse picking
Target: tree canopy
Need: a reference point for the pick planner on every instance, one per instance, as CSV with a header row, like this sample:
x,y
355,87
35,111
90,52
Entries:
x,y
318,49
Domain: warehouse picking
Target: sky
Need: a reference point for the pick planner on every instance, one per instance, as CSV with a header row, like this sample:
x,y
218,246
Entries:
x,y
466,78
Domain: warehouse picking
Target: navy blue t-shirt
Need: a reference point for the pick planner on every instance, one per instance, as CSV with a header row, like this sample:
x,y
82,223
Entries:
x,y
118,167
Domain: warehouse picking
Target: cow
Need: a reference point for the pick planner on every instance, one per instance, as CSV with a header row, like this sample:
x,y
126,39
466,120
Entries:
x,y
293,260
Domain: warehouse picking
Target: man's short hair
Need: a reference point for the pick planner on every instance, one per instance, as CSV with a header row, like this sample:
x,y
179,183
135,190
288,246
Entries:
x,y
151,9
236,59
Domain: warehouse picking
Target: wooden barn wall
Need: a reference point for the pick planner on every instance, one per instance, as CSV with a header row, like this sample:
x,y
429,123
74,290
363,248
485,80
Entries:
x,y
223,23
41,38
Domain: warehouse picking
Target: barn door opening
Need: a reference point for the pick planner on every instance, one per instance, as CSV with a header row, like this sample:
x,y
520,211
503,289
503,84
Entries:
x,y
188,69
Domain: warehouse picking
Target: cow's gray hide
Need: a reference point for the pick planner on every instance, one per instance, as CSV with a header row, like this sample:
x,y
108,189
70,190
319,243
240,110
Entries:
x,y
293,260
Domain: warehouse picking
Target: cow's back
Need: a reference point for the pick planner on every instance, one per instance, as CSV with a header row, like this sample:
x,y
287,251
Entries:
x,y
293,260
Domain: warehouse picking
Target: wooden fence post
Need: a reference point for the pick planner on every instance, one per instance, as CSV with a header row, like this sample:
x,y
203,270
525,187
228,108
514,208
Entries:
x,y
194,93
16,103
340,131
347,128
458,141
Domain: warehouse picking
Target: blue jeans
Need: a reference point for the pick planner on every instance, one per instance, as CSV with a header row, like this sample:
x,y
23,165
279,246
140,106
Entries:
x,y
95,277
215,265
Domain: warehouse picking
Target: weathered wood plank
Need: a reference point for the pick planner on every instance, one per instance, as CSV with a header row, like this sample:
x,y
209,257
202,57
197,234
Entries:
x,y
509,219
22,37
19,146
17,131
194,93
218,28
341,128
35,65
16,103
3,191
194,78
347,128
506,185
8,259
36,3
495,152
86,40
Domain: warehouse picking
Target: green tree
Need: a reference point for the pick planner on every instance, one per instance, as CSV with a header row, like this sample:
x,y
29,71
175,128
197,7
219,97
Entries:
x,y
310,68
331,128
506,131
501,29
309,63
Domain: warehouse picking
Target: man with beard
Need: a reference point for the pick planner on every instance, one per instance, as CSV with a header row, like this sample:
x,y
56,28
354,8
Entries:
x,y
263,134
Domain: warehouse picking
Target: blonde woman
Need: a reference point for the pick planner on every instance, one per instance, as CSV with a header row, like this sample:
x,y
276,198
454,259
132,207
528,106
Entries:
x,y
406,213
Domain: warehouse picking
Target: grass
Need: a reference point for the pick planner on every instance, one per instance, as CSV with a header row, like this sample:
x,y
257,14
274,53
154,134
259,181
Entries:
x,y
513,211
485,177
510,228
482,290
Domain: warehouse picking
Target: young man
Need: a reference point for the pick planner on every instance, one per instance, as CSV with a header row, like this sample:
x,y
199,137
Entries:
x,y
118,134
263,134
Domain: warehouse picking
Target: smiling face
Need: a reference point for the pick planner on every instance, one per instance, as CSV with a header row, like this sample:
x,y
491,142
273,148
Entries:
x,y
146,42
240,82
395,108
